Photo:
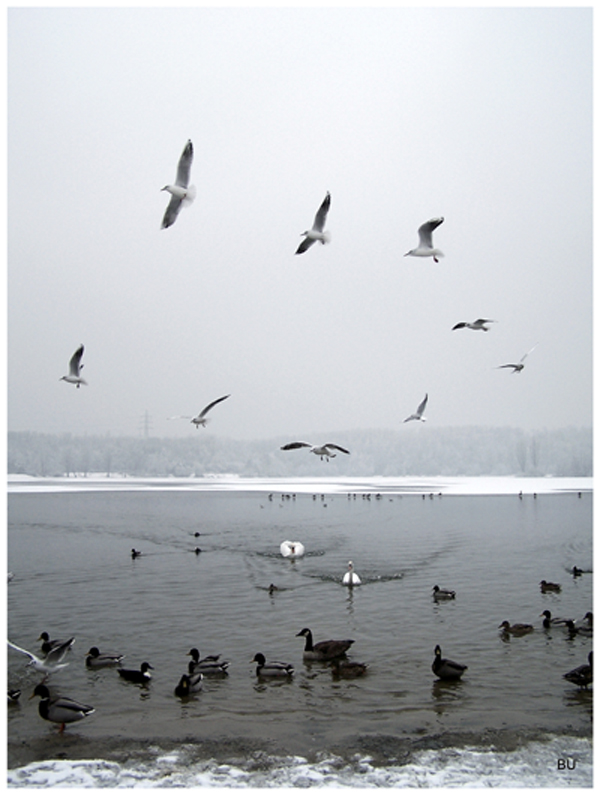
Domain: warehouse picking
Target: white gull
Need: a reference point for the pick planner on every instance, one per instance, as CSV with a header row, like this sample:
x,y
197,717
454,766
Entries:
x,y
181,192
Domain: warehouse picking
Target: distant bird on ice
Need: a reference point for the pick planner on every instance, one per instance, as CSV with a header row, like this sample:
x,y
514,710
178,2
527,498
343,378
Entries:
x,y
75,367
324,450
518,367
425,247
481,324
201,418
181,193
316,233
418,415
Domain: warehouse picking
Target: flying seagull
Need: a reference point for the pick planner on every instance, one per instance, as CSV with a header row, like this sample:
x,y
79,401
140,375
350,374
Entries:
x,y
481,324
181,194
201,418
425,247
316,233
324,450
418,415
75,367
518,367
53,661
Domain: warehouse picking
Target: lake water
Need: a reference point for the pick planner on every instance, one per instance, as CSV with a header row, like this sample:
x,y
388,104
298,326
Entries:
x,y
511,721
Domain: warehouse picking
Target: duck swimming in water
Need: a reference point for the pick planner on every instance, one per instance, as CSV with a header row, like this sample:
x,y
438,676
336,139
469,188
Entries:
x,y
272,668
442,593
583,675
446,669
140,677
97,659
347,669
60,710
188,684
515,629
324,649
55,645
546,587
209,666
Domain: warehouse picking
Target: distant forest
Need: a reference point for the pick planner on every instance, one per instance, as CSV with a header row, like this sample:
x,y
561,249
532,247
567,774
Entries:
x,y
419,451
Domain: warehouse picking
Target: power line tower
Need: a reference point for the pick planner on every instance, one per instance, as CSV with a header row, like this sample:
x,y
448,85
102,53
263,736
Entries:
x,y
146,422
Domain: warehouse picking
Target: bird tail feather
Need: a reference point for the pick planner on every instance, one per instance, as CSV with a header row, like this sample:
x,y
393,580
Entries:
x,y
190,195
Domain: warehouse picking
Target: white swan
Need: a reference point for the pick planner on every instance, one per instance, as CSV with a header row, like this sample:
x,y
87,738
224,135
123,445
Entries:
x,y
316,233
351,578
323,450
418,415
75,368
292,549
425,247
180,192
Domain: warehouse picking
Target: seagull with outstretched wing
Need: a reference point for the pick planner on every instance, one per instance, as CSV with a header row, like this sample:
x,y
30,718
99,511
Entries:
x,y
418,415
324,451
425,247
75,368
316,233
201,418
481,324
182,193
516,368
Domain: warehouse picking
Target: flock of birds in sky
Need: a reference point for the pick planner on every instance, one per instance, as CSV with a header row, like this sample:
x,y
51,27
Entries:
x,y
183,194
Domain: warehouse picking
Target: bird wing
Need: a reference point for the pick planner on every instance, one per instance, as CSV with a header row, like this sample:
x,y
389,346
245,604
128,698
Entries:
x,y
305,245
522,359
426,230
184,165
337,447
206,409
295,445
458,325
57,654
321,215
501,366
31,656
422,405
75,362
171,212
482,321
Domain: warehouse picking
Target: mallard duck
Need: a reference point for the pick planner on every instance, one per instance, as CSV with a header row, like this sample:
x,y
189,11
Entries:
x,y
446,669
586,626
188,684
55,645
53,661
348,669
515,629
325,649
97,659
209,665
443,593
140,677
351,578
552,622
13,694
546,587
583,675
272,668
292,549
60,710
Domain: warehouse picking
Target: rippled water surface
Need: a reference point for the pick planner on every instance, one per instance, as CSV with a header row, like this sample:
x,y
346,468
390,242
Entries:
x,y
70,554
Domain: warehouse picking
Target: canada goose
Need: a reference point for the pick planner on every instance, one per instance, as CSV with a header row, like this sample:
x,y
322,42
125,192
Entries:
x,y
325,649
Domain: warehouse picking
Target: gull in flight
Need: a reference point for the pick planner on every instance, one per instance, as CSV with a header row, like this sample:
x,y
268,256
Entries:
x,y
75,367
201,418
53,661
418,415
323,451
481,324
181,193
316,233
425,247
518,367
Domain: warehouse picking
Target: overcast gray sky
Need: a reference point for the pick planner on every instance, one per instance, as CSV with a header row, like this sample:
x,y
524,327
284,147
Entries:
x,y
483,116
